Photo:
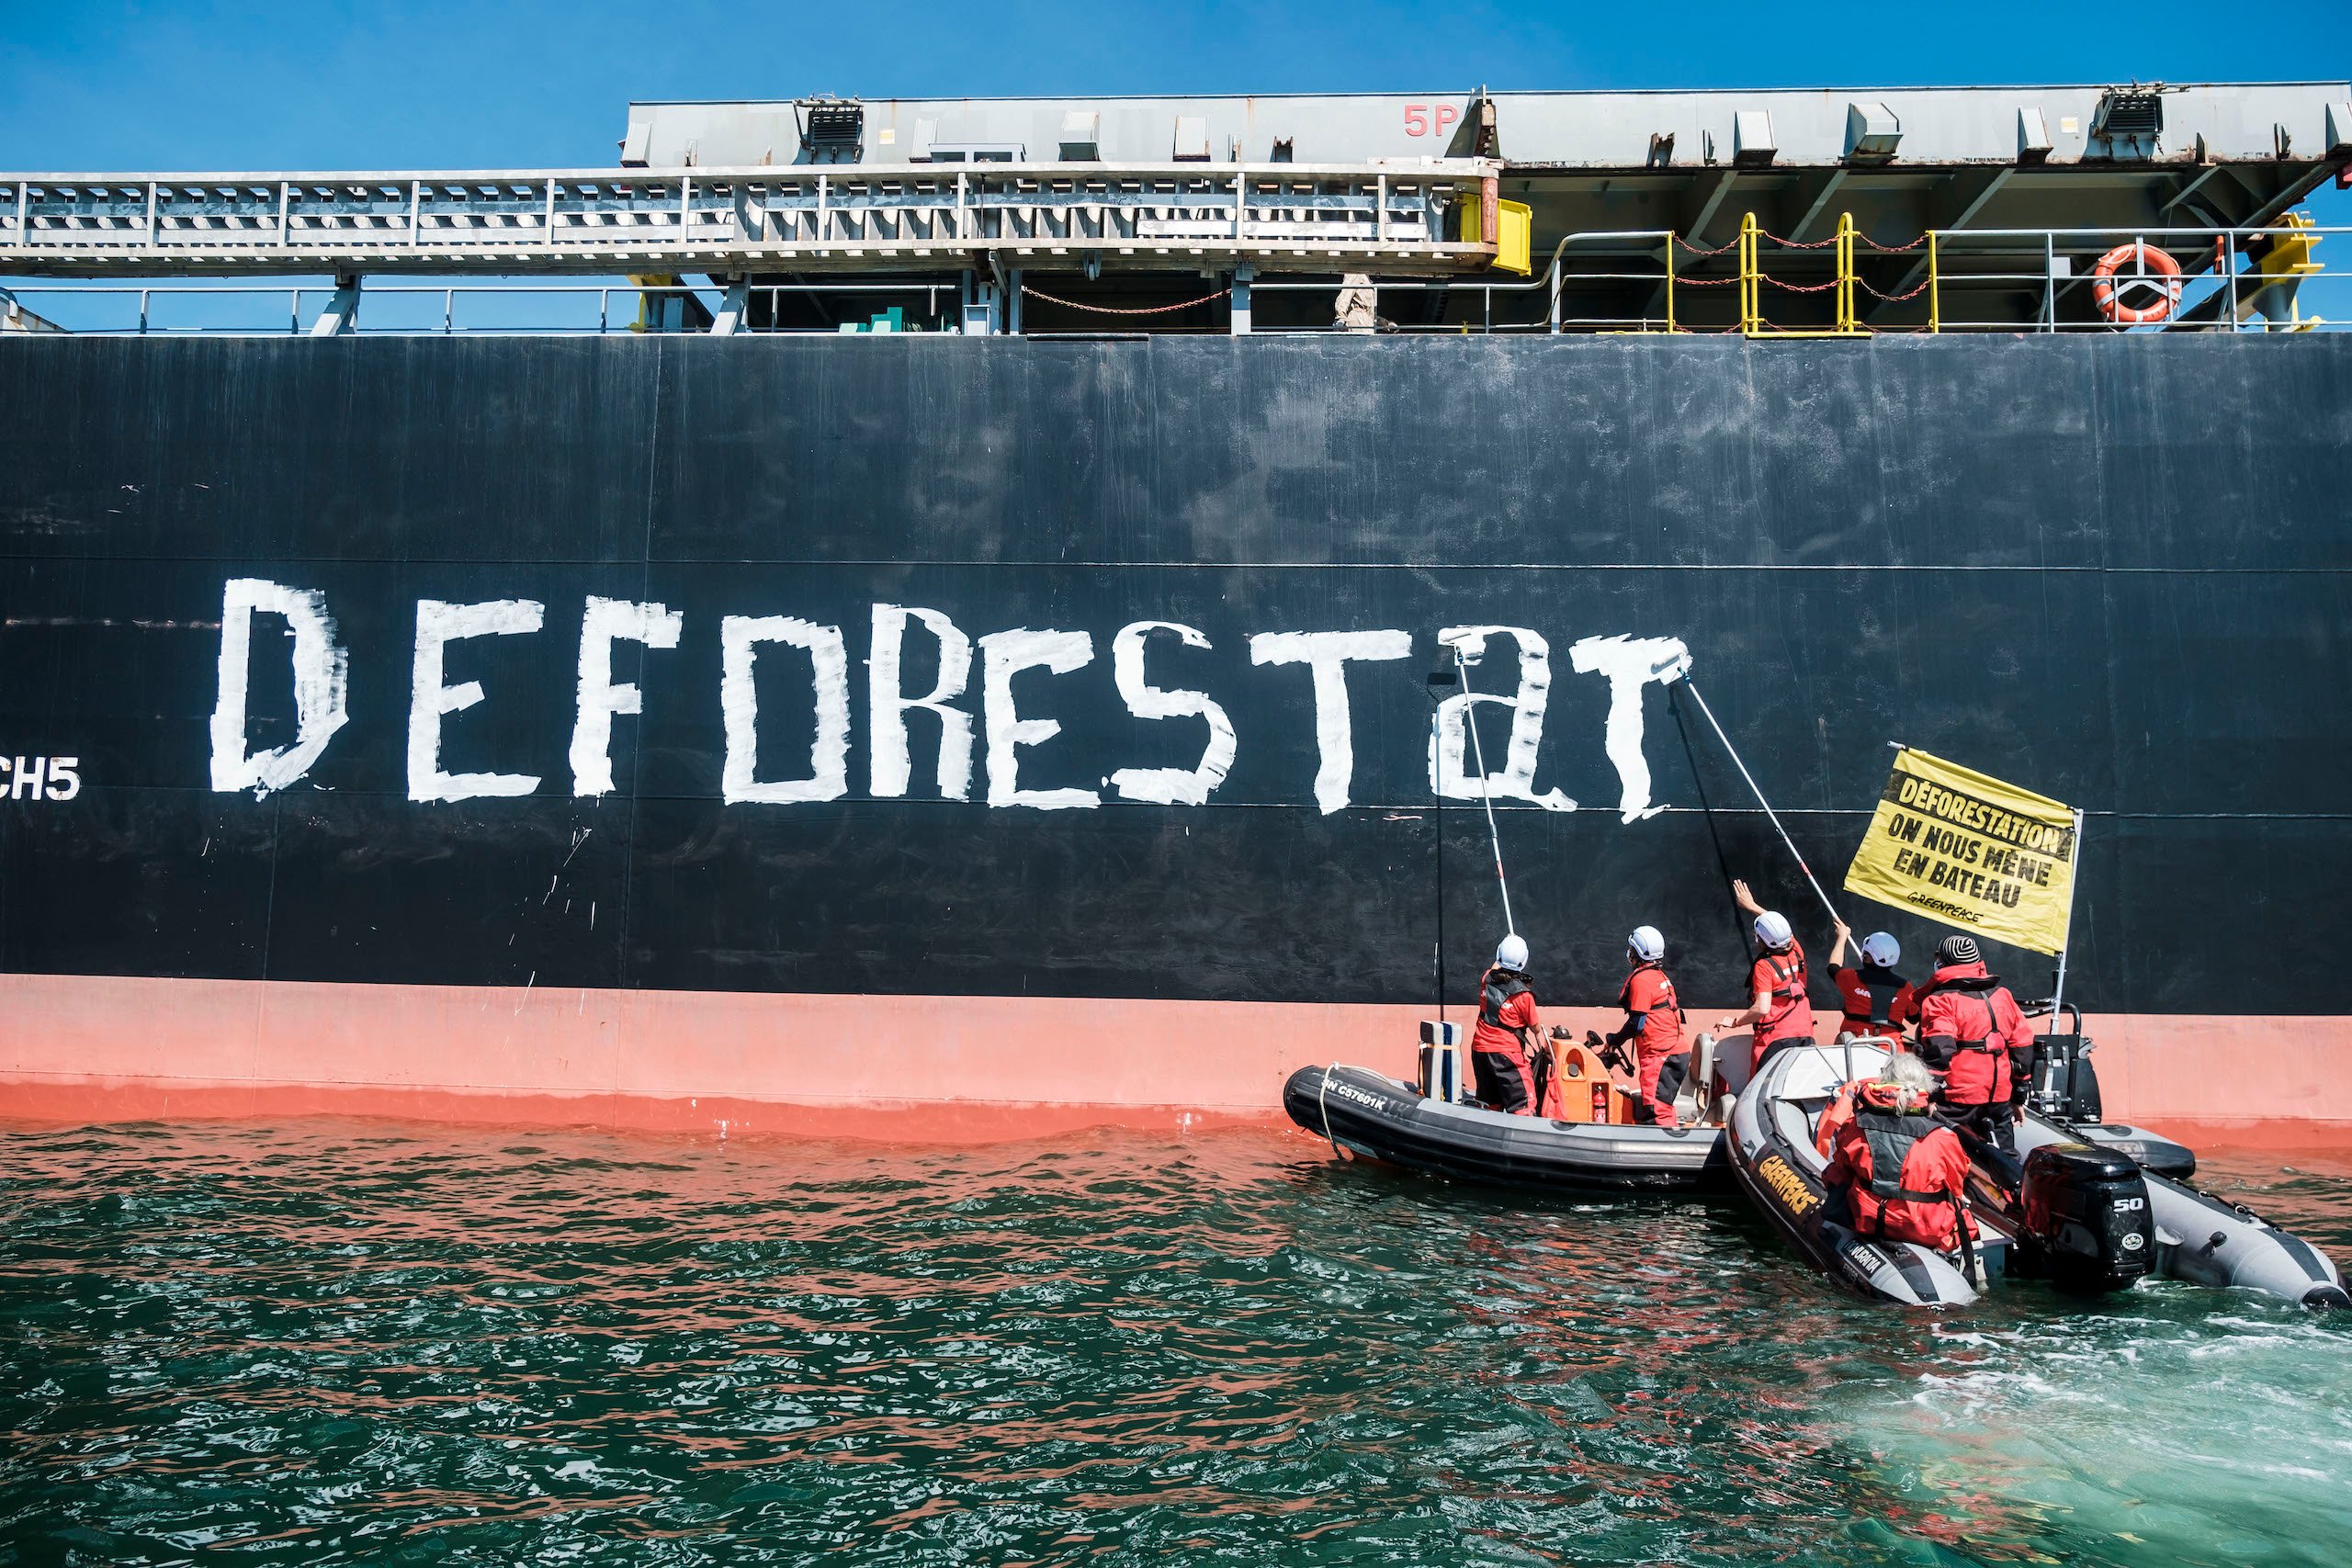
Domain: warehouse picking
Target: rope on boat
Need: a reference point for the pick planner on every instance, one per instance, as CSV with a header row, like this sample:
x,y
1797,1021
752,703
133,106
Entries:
x,y
1322,1106
1770,816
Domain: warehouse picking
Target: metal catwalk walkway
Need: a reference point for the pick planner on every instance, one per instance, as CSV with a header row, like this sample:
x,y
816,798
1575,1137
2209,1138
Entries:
x,y
1159,216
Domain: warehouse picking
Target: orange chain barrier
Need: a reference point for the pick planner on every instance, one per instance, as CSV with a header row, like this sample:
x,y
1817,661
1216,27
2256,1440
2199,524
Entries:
x,y
1122,310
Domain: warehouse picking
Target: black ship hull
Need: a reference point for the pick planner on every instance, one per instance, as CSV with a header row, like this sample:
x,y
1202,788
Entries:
x,y
1089,677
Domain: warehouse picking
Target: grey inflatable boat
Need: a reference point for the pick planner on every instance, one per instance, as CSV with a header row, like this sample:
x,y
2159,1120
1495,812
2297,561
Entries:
x,y
2080,1213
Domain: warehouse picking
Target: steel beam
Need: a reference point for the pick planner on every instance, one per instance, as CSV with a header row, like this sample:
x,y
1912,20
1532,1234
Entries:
x,y
1820,203
733,305
1715,199
341,316
1989,187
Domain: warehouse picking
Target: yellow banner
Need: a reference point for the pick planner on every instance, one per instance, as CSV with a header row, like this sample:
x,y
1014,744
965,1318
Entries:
x,y
1953,844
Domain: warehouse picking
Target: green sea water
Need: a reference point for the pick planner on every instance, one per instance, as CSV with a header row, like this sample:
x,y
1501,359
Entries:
x,y
344,1342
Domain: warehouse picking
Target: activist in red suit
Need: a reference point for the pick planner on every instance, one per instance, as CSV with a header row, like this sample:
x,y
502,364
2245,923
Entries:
x,y
1972,1030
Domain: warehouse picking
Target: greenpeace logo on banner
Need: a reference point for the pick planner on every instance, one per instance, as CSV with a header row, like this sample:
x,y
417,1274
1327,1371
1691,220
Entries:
x,y
984,725
1969,849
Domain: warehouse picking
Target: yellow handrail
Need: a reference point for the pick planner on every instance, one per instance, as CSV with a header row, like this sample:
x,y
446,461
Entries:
x,y
1751,315
1935,290
1845,322
1669,281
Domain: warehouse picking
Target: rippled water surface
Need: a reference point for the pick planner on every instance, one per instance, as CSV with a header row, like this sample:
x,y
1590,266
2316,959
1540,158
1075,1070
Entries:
x,y
337,1341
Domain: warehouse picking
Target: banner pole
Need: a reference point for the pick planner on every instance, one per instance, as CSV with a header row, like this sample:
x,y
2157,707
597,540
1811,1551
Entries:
x,y
1769,814
2058,997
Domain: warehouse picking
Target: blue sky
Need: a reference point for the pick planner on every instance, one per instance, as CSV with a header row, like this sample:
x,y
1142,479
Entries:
x,y
101,86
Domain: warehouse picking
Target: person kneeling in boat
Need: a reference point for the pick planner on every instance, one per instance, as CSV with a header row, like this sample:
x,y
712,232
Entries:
x,y
1653,1024
1897,1172
1974,1031
1779,1009
1502,1044
1877,1002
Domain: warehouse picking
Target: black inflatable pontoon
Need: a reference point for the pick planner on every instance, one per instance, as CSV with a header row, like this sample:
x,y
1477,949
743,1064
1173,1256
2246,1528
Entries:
x,y
1376,1116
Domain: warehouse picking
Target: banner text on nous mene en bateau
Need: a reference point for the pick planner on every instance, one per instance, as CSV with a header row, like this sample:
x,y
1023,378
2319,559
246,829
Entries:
x,y
1951,843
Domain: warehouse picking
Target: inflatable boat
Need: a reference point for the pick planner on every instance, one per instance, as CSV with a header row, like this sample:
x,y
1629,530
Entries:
x,y
2199,1238
1374,1116
1377,1117
2084,1214
1772,1154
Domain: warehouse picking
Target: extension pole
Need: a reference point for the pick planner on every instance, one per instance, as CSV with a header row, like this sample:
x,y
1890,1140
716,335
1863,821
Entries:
x,y
1437,817
1715,835
1441,675
1769,814
1470,721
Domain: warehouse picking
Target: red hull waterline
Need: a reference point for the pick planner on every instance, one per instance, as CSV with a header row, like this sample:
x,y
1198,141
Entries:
x,y
961,1070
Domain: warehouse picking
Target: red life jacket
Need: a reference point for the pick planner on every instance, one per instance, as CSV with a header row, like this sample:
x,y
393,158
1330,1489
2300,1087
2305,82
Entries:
x,y
1792,1014
1496,989
1662,1033
1918,1197
1978,1071
1883,989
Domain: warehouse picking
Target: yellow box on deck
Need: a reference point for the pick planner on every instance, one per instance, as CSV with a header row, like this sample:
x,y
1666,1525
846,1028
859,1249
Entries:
x,y
1514,232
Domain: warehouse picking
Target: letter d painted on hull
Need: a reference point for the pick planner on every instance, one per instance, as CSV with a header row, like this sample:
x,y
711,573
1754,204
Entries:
x,y
322,685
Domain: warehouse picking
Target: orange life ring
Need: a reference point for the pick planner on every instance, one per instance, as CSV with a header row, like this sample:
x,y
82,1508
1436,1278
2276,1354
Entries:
x,y
2151,267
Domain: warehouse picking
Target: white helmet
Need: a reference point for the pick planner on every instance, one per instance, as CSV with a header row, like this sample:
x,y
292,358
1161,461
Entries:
x,y
1772,929
1647,944
1882,950
1511,952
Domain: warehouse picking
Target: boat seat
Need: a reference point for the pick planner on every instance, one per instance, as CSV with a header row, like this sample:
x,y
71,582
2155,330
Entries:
x,y
1690,1106
1797,1120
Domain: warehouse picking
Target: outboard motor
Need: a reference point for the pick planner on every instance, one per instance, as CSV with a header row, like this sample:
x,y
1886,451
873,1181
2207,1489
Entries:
x,y
2086,1224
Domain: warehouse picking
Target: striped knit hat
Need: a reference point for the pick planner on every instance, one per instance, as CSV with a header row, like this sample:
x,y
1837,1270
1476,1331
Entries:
x,y
1958,950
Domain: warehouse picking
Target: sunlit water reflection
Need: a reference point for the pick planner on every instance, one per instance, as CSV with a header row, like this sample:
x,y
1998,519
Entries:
x,y
336,1341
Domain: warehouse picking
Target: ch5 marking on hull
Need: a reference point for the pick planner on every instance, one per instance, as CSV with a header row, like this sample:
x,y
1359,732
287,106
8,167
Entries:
x,y
39,778
320,685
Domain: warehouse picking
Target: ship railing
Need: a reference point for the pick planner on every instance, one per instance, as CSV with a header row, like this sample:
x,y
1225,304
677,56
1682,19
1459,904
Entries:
x,y
1559,316
826,218
216,309
412,309
2279,277
2272,278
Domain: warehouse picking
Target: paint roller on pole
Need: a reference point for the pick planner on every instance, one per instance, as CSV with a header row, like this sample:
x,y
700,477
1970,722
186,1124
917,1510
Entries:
x,y
1668,676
